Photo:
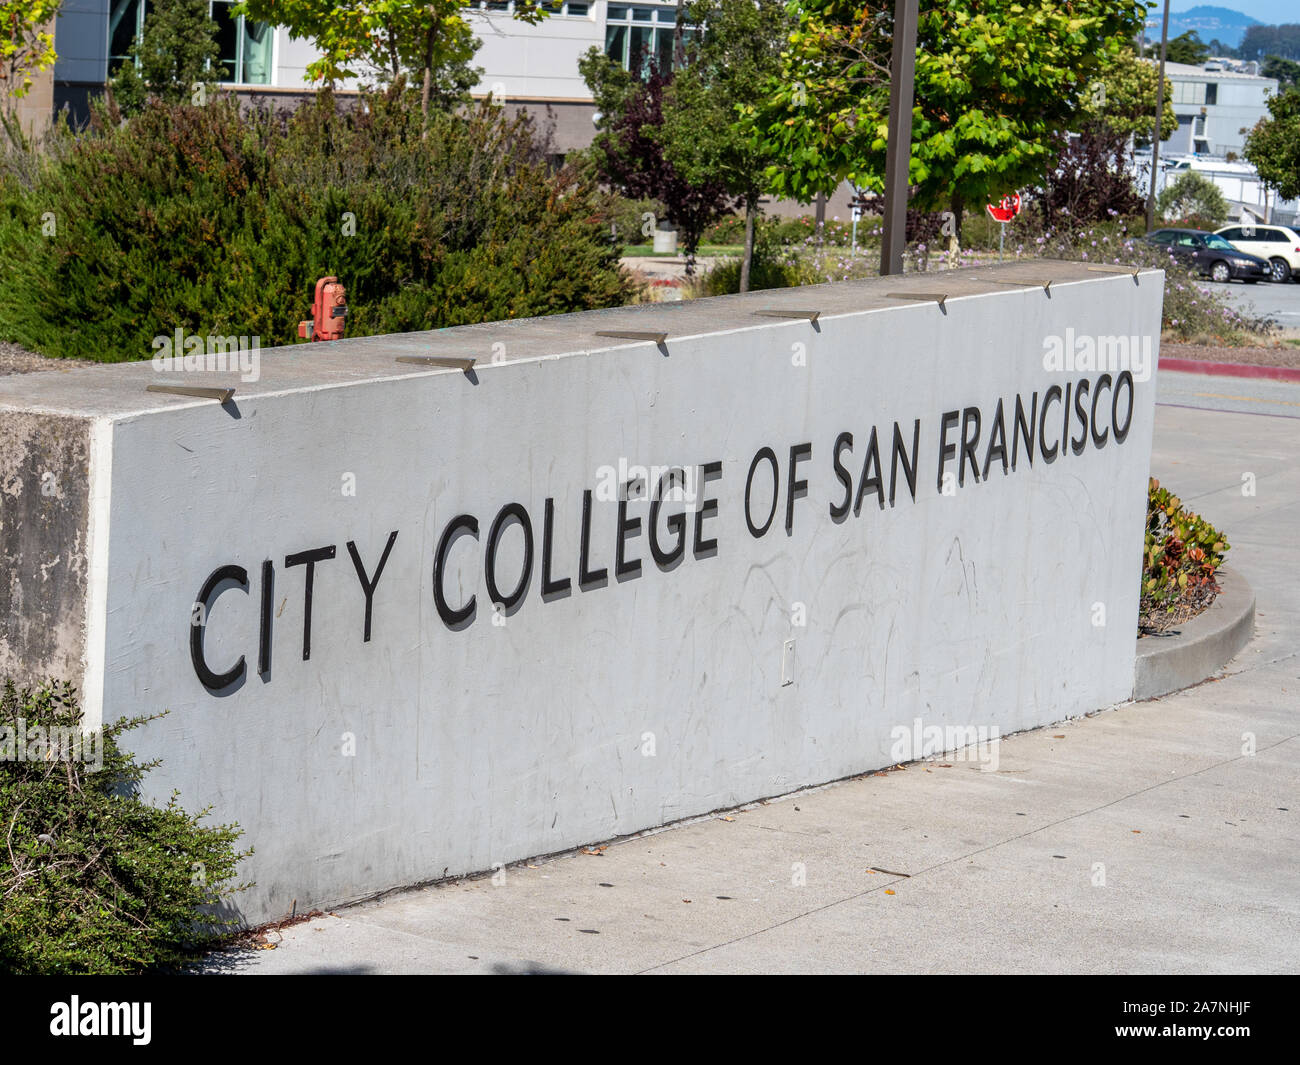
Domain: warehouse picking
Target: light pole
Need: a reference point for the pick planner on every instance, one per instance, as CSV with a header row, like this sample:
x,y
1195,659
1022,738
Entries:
x,y
898,152
1160,110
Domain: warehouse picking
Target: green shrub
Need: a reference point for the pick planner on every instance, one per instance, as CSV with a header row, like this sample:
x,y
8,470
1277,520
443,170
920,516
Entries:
x,y
803,230
770,267
1192,310
217,222
629,217
729,230
1182,554
92,879
1193,200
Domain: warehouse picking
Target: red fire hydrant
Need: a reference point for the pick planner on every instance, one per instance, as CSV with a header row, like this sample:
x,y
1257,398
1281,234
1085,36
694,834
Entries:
x,y
329,312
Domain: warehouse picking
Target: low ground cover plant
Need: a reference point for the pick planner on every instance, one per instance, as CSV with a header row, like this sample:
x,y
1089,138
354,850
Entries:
x,y
1181,557
94,880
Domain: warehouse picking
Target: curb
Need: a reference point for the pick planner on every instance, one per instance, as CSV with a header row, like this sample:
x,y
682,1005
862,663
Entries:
x,y
1229,369
1200,646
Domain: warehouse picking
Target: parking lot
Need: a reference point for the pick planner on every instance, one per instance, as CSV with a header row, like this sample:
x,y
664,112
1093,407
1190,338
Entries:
x,y
1280,302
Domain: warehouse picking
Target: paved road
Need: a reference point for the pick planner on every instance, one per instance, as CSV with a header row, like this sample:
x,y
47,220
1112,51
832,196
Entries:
x,y
1279,399
1196,841
1280,302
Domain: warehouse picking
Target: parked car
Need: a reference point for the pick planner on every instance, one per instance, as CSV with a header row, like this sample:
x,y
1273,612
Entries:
x,y
1278,244
1211,255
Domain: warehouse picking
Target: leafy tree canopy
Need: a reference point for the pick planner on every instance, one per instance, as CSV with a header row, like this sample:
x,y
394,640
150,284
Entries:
x,y
25,46
728,70
1273,146
1261,41
1185,48
1287,71
176,51
629,150
1123,98
996,82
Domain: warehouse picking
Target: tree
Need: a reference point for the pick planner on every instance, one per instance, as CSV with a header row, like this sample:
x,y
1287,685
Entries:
x,y
177,51
1287,71
386,38
1185,48
1193,198
997,81
628,151
1123,95
706,134
1273,146
25,47
1260,41
1090,181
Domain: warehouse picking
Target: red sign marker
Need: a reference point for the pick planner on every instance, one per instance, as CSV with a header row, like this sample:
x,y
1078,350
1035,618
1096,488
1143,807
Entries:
x,y
1005,209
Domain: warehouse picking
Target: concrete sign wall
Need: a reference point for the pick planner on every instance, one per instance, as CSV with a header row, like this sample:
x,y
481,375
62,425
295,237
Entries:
x,y
410,622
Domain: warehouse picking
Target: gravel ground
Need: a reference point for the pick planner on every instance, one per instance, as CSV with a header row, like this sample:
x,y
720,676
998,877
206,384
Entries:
x,y
1287,355
14,359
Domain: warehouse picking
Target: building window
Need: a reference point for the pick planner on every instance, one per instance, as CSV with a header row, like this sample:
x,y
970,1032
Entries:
x,y
638,36
125,24
553,7
245,57
244,48
1212,92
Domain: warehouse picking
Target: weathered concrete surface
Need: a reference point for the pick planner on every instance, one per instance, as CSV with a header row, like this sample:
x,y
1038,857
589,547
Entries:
x,y
362,750
1200,646
44,521
1197,840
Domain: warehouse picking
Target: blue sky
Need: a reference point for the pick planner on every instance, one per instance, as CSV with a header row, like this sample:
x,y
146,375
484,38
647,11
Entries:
x,y
1264,10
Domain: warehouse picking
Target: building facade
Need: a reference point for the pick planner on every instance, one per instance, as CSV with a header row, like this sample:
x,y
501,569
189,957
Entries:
x,y
1216,107
533,66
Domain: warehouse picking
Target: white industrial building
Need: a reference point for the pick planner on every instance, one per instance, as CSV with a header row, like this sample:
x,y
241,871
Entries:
x,y
1215,108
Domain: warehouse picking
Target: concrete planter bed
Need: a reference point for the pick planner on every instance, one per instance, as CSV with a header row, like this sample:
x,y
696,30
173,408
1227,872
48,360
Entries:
x,y
1198,647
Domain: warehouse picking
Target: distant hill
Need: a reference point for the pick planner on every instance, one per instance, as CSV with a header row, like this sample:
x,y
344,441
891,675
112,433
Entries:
x,y
1210,22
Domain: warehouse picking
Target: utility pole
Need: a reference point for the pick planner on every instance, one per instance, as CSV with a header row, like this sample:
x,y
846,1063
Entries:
x,y
898,152
1160,110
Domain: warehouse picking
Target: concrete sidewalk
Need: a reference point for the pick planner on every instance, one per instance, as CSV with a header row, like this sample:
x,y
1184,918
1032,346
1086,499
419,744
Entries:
x,y
1141,839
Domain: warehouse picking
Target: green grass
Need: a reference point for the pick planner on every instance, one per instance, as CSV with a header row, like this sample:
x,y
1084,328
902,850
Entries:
x,y
646,251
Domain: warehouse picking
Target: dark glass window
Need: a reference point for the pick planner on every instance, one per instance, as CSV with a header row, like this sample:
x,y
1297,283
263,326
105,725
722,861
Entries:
x,y
123,25
664,48
616,44
227,40
638,52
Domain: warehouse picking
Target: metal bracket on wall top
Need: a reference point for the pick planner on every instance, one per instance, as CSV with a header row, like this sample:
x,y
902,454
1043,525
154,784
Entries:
x,y
631,334
222,395
937,297
811,316
1132,271
450,361
1046,286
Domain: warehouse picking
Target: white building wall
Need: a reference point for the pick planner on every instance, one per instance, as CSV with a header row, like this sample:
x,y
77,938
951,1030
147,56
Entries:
x,y
536,62
1240,101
